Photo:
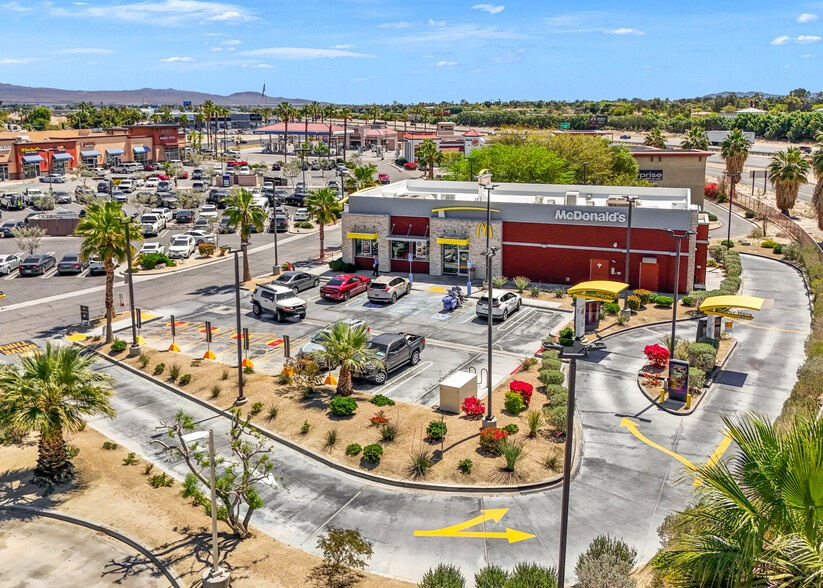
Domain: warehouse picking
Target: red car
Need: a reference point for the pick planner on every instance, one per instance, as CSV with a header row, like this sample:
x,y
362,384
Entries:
x,y
344,286
384,178
160,176
411,165
183,175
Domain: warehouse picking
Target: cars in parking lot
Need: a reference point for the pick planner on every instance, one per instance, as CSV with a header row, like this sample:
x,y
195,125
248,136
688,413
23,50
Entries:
x,y
333,184
185,216
410,165
388,288
53,179
199,186
344,286
152,224
71,263
296,199
119,196
226,226
96,265
198,175
181,247
392,351
279,223
7,227
164,186
301,214
152,182
278,300
9,262
149,248
297,281
203,224
12,201
165,214
503,304
208,211
201,237
275,166
315,344
383,178
62,197
625,136
37,264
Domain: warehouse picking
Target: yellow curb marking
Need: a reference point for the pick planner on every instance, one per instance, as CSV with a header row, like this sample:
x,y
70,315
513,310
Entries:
x,y
493,514
766,328
437,289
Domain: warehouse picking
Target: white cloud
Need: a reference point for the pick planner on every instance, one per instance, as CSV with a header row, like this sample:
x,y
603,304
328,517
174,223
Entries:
x,y
395,25
176,59
806,17
231,42
509,57
806,56
9,61
14,7
232,16
801,40
84,50
216,48
437,23
161,12
256,66
624,31
653,67
454,33
81,4
296,53
490,8
214,34
446,63
347,46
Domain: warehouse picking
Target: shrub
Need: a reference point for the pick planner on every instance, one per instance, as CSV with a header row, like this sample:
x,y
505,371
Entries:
x,y
534,420
559,292
443,576
727,243
512,452
524,389
215,390
343,550
372,453
556,417
353,449
551,364
664,301
534,291
644,295
750,214
108,445
379,418
196,362
713,342
633,302
304,428
72,451
521,283
697,378
206,249
552,461
559,398
611,307
623,318
499,281
511,429
491,577
161,480
710,190
658,356
607,562
381,400
473,407
283,379
331,438
718,252
551,377
144,360
151,260
130,459
514,402
526,575
342,406
721,198
701,356
465,466
688,301
256,408
118,346
528,362
549,354
174,371
224,375
304,225
436,429
185,379
389,432
566,333
159,368
778,249
421,463
248,370
489,438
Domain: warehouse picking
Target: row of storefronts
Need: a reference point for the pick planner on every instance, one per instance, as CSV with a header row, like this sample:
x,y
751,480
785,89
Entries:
x,y
30,154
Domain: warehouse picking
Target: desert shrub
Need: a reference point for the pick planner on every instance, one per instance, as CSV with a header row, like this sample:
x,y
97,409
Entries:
x,y
130,459
644,295
730,284
512,452
256,408
514,402
381,400
343,551
521,283
174,371
559,292
436,429
550,377
331,438
549,354
206,249
656,355
511,429
421,463
697,378
611,307
152,260
283,379
118,346
489,438
607,562
768,244
389,432
109,445
491,577
159,368
274,410
248,370
534,421
664,301
144,360
161,480
72,451
718,252
728,243
524,389
342,406
528,362
304,225
534,291
792,251
185,379
353,449
633,302
465,466
379,418
556,417
778,249
710,190
304,428
559,398
551,364
372,453
215,390
472,407
701,356
711,341
225,373
552,461
499,281
687,301
528,575
750,214
443,576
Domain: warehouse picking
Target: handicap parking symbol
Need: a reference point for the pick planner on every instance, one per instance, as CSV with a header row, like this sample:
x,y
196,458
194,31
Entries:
x,y
441,317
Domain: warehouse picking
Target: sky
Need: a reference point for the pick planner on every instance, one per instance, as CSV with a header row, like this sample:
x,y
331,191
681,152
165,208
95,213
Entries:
x,y
365,51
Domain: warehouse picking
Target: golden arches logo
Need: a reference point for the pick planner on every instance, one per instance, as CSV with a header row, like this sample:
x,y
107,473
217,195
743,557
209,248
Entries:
x,y
482,228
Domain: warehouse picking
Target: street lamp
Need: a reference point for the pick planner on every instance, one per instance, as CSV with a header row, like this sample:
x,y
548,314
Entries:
x,y
732,177
135,346
240,398
577,351
484,179
303,166
678,237
631,200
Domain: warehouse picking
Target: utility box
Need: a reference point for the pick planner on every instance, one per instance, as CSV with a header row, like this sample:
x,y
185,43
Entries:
x,y
455,389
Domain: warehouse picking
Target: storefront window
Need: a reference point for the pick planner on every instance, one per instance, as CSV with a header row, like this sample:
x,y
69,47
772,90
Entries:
x,y
365,248
401,250
4,171
172,153
90,161
141,157
112,160
31,170
59,167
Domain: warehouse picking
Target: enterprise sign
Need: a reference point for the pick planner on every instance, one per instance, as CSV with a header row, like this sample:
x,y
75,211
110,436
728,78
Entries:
x,y
651,175
600,217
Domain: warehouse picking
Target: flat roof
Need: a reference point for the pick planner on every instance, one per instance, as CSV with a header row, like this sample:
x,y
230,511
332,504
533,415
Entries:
x,y
655,151
551,194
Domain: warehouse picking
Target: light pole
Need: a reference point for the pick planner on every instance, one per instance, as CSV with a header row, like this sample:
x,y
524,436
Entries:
x,y
585,165
731,177
678,237
135,347
485,181
303,151
240,398
576,351
631,200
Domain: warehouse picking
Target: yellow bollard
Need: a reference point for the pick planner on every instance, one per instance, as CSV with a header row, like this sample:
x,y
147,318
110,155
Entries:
x,y
688,401
209,355
140,340
662,395
330,380
247,363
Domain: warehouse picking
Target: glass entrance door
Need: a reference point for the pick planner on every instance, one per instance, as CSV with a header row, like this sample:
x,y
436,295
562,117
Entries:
x,y
463,261
455,260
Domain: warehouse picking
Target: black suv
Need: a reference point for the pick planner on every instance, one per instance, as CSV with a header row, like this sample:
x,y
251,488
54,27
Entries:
x,y
185,216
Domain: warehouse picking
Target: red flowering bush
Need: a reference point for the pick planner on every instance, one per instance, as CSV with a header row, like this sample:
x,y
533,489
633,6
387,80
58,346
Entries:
x,y
710,190
379,418
524,389
473,407
489,438
657,355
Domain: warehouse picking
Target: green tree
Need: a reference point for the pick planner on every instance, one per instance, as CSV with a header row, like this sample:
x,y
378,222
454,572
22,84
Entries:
x,y
285,112
348,348
787,172
104,235
817,195
530,162
345,114
243,213
364,176
323,206
429,153
39,118
655,138
758,518
734,150
696,138
51,393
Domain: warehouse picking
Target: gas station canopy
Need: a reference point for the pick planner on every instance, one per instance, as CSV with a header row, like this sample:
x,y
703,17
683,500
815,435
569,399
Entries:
x,y
724,305
598,290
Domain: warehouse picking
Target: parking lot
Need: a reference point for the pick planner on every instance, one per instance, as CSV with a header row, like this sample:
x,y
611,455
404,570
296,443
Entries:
x,y
454,341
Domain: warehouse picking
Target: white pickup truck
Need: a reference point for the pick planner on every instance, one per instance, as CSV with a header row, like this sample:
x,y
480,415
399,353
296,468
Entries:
x,y
166,215
151,224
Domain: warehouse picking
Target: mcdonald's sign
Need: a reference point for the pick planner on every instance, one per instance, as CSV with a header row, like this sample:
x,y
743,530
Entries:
x,y
482,228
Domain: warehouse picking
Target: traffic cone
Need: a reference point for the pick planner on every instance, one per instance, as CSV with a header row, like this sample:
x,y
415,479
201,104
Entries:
x,y
247,363
209,355
287,371
174,347
330,380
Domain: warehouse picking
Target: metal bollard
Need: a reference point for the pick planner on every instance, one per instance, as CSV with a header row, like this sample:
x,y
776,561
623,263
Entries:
x,y
286,347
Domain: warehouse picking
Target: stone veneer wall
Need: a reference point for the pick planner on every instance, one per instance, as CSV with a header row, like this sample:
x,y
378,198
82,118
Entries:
x,y
460,229
367,223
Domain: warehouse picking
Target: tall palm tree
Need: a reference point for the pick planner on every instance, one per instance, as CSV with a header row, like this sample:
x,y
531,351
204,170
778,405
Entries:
x,y
817,195
655,138
430,154
322,205
50,393
208,112
104,235
696,138
285,111
345,113
364,176
374,112
734,150
787,172
758,518
329,112
243,213
348,348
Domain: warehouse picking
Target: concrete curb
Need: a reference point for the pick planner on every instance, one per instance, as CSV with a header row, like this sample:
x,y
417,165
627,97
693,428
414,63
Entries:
x,y
798,269
132,542
636,327
388,482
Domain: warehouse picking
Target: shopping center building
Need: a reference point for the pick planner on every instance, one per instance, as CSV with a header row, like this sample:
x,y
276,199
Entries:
x,y
553,234
29,154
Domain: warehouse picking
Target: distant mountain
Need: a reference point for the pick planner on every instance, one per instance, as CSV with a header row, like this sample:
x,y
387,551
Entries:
x,y
10,94
740,95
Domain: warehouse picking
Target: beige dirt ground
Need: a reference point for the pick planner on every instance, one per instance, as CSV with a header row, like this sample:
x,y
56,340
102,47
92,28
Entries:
x,y
109,492
461,441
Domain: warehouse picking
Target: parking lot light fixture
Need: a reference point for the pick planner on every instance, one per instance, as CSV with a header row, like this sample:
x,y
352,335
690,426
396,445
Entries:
x,y
241,399
135,346
484,179
678,235
630,200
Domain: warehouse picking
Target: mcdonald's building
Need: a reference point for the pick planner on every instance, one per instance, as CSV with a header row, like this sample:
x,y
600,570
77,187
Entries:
x,y
554,234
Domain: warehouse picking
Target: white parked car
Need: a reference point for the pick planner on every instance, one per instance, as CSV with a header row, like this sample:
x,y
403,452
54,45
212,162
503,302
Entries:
x,y
245,170
503,304
268,186
181,247
208,211
148,248
301,214
9,262
201,237
152,182
166,214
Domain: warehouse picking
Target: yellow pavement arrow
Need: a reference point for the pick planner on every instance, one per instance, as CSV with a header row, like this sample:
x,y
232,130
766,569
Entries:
x,y
718,453
493,514
631,426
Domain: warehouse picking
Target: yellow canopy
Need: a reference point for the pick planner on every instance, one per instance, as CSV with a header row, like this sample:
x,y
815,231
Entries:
x,y
598,290
368,236
723,305
446,241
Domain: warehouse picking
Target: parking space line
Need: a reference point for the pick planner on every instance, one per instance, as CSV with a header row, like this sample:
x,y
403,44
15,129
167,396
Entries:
x,y
417,370
12,274
84,273
511,323
49,273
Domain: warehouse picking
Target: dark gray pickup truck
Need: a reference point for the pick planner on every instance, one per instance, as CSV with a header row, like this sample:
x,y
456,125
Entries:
x,y
392,351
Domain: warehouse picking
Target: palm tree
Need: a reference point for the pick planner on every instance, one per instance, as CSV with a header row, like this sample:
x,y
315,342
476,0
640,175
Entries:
x,y
695,139
243,213
787,172
429,153
50,393
323,206
734,150
208,112
345,113
817,195
655,138
329,112
104,235
364,176
757,521
285,111
348,348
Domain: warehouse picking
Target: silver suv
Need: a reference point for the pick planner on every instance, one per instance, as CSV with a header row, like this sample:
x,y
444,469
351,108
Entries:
x,y
388,288
278,300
